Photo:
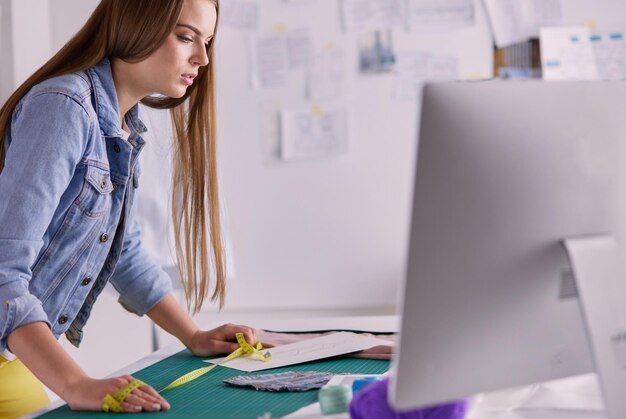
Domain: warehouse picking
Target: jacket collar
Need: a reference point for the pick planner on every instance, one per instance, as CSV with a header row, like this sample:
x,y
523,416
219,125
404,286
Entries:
x,y
106,104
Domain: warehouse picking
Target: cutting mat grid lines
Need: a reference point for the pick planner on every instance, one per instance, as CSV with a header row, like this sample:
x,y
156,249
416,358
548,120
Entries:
x,y
209,397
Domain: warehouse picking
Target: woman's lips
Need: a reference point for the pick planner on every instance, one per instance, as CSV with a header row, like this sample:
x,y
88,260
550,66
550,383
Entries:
x,y
188,78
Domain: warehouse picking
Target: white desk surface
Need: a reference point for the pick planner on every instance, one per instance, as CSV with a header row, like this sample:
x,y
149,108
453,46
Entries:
x,y
570,398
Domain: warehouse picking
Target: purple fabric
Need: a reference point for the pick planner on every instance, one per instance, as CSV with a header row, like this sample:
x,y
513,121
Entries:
x,y
371,403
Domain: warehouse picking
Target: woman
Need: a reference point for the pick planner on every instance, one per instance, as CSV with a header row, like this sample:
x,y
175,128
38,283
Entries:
x,y
67,182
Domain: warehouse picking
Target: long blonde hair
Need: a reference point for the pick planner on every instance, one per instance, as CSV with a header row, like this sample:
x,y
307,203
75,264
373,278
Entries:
x,y
127,30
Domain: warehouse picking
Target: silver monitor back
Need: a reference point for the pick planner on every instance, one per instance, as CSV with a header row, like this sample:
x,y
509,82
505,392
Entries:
x,y
505,171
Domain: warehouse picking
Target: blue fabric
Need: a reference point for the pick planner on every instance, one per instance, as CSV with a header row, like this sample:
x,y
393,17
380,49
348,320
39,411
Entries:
x,y
282,381
67,224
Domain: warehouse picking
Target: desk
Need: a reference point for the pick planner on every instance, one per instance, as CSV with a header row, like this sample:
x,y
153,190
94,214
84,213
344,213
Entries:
x,y
570,398
208,397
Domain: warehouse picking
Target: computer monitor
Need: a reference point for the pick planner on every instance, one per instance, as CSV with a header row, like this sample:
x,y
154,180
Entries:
x,y
506,171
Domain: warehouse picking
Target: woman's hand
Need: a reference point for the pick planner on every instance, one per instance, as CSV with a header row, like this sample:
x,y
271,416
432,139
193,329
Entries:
x,y
220,340
88,394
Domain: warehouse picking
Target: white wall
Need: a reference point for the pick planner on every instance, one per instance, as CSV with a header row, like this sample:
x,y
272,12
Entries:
x,y
326,232
31,31
6,50
606,14
25,26
67,17
32,43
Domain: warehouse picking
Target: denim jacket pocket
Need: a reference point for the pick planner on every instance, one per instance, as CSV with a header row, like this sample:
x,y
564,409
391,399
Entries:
x,y
95,198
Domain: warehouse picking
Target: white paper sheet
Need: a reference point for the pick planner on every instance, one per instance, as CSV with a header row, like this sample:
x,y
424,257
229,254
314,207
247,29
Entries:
x,y
273,55
314,132
572,393
515,21
551,399
240,14
415,68
299,47
326,76
577,53
440,13
366,15
567,54
309,350
270,60
610,55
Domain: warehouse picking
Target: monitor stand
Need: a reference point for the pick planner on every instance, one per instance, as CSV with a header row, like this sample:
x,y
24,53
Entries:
x,y
601,284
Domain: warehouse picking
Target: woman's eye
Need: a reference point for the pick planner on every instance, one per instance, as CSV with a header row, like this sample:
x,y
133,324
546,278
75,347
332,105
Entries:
x,y
186,39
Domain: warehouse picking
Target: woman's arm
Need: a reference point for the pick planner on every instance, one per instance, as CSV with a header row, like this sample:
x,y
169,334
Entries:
x,y
49,133
37,348
173,319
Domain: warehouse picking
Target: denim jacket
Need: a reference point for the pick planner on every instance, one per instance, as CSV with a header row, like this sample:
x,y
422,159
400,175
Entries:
x,y
67,221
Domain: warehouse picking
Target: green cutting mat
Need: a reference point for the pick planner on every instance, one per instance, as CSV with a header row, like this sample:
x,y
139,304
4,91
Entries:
x,y
208,397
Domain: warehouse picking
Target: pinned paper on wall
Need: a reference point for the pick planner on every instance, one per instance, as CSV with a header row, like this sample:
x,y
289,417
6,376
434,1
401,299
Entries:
x,y
240,14
298,47
413,69
440,13
269,60
515,21
610,54
326,76
365,15
272,55
567,54
314,132
578,53
376,53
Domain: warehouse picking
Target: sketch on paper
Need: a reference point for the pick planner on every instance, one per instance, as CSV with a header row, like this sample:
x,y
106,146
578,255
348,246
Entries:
x,y
308,350
314,132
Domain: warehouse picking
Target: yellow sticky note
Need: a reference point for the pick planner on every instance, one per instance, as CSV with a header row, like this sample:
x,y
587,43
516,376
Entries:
x,y
591,24
316,110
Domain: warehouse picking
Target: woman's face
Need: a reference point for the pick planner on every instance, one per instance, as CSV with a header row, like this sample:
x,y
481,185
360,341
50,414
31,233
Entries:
x,y
171,69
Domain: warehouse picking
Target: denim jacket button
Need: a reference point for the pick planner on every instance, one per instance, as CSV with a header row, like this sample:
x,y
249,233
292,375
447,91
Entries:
x,y
104,237
63,319
114,186
116,148
86,281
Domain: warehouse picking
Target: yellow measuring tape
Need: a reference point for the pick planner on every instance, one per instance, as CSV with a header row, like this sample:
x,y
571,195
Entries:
x,y
111,403
244,349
